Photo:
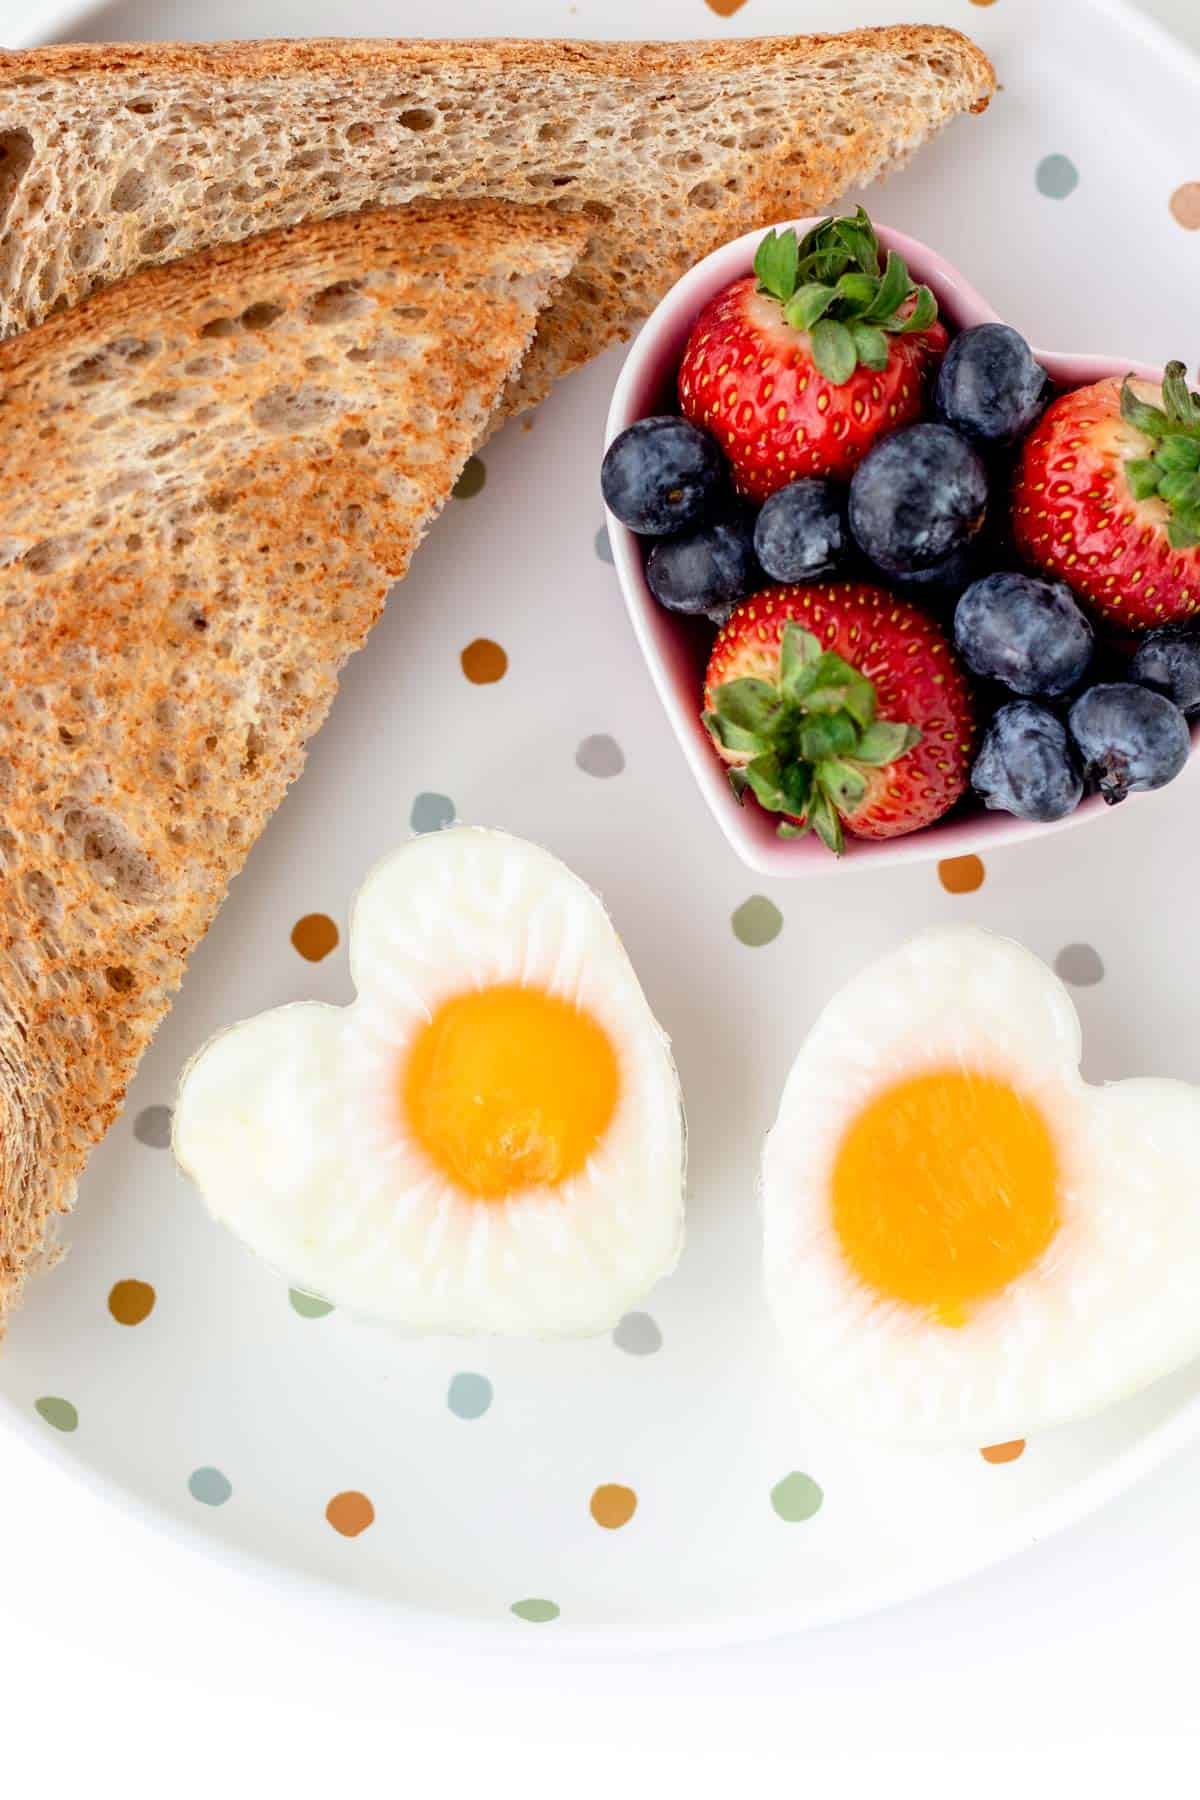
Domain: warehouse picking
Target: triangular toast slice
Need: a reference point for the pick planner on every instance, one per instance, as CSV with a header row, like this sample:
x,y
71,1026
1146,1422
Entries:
x,y
212,473
119,155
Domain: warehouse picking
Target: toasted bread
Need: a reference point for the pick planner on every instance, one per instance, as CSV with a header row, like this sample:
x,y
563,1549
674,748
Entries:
x,y
212,473
119,156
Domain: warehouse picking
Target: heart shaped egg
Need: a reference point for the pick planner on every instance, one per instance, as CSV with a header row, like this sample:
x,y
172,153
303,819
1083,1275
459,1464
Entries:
x,y
965,1242
489,1139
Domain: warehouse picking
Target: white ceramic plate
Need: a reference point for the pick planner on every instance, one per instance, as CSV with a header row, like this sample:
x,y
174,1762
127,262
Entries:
x,y
225,1393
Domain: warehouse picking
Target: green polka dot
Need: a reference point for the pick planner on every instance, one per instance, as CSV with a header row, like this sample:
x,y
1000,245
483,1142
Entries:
x,y
57,1412
1057,177
537,1612
757,921
309,1306
796,1497
472,479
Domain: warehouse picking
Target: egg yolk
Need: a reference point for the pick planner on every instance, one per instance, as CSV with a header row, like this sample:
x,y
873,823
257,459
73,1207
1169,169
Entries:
x,y
510,1088
944,1189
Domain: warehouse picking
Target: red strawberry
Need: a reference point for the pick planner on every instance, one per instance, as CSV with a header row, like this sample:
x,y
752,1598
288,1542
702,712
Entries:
x,y
799,368
1107,496
841,706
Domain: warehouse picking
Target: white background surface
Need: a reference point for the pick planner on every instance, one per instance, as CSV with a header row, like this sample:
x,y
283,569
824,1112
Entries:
x,y
127,1666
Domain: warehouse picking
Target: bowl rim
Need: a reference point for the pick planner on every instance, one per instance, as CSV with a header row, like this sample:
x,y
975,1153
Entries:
x,y
648,366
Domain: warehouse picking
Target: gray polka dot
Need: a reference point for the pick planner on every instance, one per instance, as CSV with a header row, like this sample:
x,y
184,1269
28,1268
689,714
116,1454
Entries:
x,y
1057,177
469,1396
431,812
603,546
153,1127
1079,965
209,1487
637,1334
601,756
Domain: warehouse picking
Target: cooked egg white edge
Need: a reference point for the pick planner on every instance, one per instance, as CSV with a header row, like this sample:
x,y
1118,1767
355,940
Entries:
x,y
1113,1304
325,1193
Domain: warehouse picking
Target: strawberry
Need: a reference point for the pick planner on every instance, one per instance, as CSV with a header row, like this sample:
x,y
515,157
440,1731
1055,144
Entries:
x,y
1107,497
799,368
840,706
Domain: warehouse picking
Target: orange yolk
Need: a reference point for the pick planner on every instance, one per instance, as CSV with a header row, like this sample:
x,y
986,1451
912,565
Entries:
x,y
944,1189
509,1088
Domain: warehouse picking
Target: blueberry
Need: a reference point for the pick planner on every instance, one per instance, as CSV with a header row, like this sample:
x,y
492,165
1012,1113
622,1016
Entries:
x,y
801,531
1026,765
943,580
1168,660
917,497
706,572
1027,633
989,386
661,475
1129,737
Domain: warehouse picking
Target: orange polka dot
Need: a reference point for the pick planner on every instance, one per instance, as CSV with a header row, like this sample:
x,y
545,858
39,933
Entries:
x,y
350,1513
725,9
961,874
1002,1453
613,1506
1185,206
484,662
314,936
131,1301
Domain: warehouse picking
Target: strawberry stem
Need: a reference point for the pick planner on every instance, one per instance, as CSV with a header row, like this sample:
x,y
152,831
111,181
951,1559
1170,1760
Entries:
x,y
832,285
810,737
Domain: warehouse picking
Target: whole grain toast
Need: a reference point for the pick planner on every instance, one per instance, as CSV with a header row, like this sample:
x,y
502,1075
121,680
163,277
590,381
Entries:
x,y
212,473
119,156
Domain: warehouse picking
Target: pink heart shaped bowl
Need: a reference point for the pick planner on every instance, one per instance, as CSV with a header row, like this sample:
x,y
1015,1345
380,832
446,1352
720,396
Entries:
x,y
676,649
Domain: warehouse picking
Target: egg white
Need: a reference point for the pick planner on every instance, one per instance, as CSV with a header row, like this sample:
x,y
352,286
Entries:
x,y
290,1124
1112,1303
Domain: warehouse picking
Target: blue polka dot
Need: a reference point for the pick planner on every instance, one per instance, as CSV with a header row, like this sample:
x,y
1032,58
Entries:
x,y
431,812
469,1396
1057,177
209,1487
603,546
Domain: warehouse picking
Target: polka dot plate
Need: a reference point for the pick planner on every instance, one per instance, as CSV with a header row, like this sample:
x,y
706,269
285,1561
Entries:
x,y
663,1484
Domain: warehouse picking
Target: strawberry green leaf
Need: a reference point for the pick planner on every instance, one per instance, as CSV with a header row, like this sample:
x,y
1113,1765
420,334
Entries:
x,y
845,785
825,735
858,237
732,737
1142,474
823,817
1140,414
833,685
1184,534
885,742
871,345
799,651
810,303
776,263
797,784
764,777
855,294
923,313
1181,492
739,782
1179,455
894,288
789,830
748,704
833,351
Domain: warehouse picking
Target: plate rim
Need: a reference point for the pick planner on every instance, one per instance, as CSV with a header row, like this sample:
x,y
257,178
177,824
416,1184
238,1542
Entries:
x,y
51,20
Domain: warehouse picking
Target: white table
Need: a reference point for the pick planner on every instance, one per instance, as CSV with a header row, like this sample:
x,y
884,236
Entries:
x,y
123,1658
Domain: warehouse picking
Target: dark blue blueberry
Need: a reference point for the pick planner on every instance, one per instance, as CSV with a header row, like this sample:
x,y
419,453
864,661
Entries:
x,y
1024,632
708,571
801,532
989,386
1168,660
1026,765
917,497
661,475
1129,737
945,580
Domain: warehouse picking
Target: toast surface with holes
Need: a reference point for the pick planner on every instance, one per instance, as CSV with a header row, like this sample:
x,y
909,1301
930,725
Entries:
x,y
119,156
213,471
